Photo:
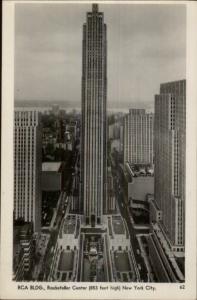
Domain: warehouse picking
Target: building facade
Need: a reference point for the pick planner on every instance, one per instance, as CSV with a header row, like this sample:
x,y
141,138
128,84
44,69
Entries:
x,y
27,167
23,251
138,137
169,148
165,265
94,134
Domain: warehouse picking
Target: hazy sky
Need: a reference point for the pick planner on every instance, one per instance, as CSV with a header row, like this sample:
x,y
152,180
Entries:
x,y
146,46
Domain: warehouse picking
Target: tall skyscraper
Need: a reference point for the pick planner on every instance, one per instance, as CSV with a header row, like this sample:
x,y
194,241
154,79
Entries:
x,y
93,142
27,167
170,147
138,137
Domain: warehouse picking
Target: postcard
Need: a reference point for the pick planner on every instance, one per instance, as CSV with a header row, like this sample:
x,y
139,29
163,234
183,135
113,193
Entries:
x,y
98,182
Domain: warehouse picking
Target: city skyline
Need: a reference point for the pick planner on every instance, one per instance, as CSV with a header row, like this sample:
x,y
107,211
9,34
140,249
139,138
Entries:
x,y
146,54
105,182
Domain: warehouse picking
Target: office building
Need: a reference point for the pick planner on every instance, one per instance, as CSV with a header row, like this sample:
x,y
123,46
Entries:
x,y
93,245
138,137
94,133
23,250
27,167
165,264
169,148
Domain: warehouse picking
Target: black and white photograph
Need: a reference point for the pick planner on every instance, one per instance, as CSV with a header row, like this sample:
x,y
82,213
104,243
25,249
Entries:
x,y
99,148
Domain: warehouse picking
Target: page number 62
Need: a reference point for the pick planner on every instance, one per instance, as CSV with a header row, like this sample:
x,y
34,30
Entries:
x,y
182,287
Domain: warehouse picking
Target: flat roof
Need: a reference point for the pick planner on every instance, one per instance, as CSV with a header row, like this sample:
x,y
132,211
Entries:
x,y
140,187
66,261
122,262
93,230
118,225
51,166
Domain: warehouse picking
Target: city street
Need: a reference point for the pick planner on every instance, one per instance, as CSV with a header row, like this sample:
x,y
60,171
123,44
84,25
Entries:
x,y
40,251
124,210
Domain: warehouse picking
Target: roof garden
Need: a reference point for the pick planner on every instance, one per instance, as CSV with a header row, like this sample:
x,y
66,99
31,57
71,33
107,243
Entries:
x,y
66,261
122,262
118,225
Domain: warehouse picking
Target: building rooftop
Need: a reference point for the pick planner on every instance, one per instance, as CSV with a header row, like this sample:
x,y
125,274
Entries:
x,y
66,261
165,245
118,225
93,230
122,262
51,166
140,187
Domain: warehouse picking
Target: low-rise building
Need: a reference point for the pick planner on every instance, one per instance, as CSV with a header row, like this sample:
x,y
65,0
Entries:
x,y
118,233
122,261
140,187
102,253
66,252
162,259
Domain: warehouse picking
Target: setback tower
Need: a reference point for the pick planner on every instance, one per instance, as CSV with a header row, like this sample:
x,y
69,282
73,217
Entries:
x,y
93,135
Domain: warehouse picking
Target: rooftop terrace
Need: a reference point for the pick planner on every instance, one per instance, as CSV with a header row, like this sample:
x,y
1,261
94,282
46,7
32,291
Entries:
x,y
121,260
140,187
66,261
118,225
